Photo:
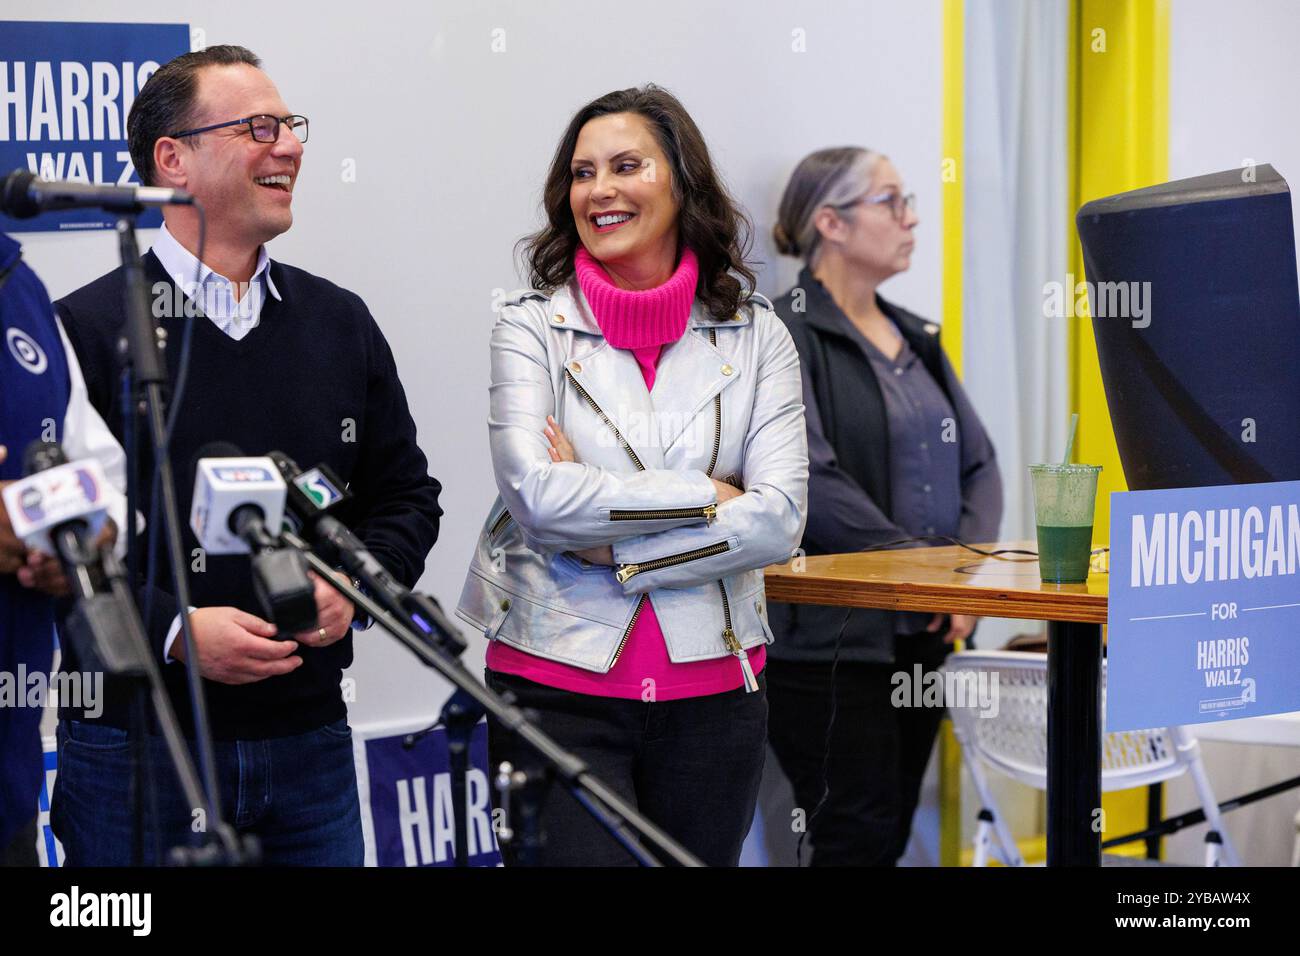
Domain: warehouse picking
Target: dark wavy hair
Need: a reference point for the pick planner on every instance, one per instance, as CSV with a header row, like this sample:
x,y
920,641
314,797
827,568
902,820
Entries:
x,y
709,220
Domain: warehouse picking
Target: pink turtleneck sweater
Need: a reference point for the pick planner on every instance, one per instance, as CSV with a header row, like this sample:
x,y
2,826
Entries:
x,y
643,322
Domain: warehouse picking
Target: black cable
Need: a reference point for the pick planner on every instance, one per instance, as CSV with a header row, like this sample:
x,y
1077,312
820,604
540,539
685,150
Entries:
x,y
144,770
890,545
826,753
835,658
182,376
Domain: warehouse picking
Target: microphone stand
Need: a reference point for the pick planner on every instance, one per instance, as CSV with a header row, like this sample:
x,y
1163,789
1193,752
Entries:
x,y
143,357
623,822
460,716
118,645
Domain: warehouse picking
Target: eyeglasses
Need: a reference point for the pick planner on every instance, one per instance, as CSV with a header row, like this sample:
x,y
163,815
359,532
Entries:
x,y
264,128
900,205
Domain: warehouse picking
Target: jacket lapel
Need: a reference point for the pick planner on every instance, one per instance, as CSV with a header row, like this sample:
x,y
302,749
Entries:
x,y
610,376
690,373
613,381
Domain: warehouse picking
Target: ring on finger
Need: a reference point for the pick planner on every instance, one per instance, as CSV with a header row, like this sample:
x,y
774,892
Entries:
x,y
321,632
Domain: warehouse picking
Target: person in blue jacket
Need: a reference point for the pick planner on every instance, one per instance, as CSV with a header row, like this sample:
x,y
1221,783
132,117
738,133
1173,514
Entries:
x,y
42,398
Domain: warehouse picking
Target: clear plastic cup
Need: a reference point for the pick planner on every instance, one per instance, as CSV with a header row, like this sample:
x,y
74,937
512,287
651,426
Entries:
x,y
1065,497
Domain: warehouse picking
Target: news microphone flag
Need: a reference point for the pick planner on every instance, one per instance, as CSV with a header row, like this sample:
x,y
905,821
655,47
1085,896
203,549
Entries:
x,y
42,501
222,485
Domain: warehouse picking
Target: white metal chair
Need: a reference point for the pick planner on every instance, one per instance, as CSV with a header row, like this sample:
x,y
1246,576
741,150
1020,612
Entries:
x,y
1013,741
1295,846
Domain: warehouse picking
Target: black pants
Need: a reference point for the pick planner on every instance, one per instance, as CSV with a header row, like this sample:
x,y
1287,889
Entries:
x,y
878,752
691,766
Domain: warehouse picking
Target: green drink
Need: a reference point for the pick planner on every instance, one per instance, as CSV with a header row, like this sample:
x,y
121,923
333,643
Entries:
x,y
1063,553
1064,498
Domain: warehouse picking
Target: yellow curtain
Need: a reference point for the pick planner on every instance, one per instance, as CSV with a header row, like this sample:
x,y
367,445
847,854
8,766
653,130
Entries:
x,y
1119,140
951,173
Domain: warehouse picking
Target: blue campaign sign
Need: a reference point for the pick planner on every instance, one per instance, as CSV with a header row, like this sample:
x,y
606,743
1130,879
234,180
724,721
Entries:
x,y
48,851
1204,619
412,806
65,92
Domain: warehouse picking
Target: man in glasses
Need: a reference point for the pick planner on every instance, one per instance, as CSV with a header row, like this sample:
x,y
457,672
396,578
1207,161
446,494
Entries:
x,y
279,359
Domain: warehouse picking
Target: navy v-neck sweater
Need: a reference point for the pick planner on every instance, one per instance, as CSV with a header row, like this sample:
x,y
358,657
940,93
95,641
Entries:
x,y
316,380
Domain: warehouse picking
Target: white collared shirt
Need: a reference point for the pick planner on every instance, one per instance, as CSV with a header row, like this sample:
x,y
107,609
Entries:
x,y
216,295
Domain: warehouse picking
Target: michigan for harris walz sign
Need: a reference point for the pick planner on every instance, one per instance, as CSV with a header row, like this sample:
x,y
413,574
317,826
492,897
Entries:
x,y
1204,620
65,92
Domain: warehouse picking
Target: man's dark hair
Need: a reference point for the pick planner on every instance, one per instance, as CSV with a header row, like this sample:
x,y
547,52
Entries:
x,y
166,103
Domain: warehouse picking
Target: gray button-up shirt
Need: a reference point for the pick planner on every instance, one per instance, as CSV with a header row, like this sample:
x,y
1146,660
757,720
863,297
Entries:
x,y
924,456
859,486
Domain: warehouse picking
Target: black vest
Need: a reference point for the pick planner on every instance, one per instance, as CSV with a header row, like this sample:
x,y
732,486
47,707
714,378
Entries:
x,y
844,383
852,409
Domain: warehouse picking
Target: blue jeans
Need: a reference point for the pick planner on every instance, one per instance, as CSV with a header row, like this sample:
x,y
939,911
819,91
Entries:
x,y
297,795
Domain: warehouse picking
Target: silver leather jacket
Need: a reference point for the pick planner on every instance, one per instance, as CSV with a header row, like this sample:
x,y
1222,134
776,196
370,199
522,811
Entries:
x,y
727,403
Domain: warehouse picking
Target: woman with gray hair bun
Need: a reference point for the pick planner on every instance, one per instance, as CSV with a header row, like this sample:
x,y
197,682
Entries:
x,y
895,452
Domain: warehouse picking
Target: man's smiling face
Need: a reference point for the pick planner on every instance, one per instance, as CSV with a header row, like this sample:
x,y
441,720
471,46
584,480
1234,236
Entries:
x,y
245,186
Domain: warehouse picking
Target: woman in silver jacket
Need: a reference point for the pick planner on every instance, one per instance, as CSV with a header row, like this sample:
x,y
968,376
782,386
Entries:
x,y
648,442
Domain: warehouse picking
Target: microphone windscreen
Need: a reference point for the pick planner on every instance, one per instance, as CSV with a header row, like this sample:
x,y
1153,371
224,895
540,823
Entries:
x,y
15,200
224,483
53,495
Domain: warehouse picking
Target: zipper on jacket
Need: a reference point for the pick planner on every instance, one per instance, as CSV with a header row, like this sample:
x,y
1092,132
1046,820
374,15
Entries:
x,y
728,634
500,523
636,614
733,642
708,513
629,571
717,415
605,418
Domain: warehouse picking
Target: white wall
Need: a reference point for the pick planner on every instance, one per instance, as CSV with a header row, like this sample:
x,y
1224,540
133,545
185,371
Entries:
x,y
451,142
1232,100
1232,88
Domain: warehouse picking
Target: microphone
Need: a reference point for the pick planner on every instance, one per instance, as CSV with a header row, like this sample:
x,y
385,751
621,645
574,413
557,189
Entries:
x,y
337,542
25,195
313,494
236,500
57,495
309,494
60,508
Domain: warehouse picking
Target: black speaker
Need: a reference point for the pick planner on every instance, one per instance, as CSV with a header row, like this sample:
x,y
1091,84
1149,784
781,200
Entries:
x,y
1196,313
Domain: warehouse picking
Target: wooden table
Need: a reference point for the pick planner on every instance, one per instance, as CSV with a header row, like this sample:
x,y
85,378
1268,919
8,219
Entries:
x,y
952,580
